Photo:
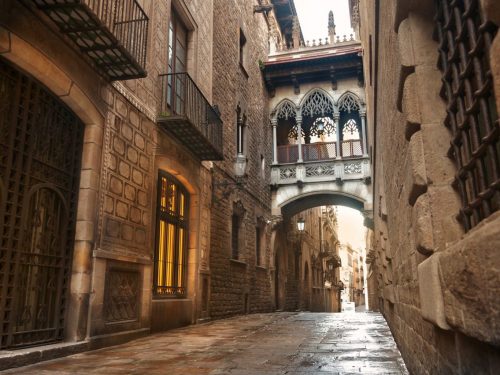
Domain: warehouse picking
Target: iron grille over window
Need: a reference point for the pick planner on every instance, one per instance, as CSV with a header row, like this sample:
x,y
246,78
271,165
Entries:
x,y
464,45
172,230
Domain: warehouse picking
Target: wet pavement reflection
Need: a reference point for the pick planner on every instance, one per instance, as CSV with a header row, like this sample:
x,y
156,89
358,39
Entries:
x,y
277,343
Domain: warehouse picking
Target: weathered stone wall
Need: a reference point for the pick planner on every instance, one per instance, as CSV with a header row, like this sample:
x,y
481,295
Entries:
x,y
239,285
123,151
434,282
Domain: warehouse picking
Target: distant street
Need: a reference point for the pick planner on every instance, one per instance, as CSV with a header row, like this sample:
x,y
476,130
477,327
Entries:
x,y
263,344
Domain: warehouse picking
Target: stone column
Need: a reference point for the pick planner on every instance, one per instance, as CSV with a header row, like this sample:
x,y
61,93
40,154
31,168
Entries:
x,y
299,137
362,113
274,124
337,126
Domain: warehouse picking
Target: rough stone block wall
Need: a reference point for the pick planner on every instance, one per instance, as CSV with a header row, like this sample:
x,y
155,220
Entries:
x,y
235,285
433,280
127,179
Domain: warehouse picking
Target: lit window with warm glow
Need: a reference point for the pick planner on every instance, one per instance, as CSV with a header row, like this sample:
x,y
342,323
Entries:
x,y
172,229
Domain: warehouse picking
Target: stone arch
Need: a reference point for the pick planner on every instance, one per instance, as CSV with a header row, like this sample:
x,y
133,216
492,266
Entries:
x,y
317,102
25,56
302,202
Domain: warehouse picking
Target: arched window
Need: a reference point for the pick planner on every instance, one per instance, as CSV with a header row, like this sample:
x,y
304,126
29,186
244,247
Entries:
x,y
317,104
349,102
323,129
286,110
351,144
350,130
172,229
319,141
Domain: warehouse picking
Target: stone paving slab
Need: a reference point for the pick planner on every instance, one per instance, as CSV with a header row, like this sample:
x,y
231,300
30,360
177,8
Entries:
x,y
261,344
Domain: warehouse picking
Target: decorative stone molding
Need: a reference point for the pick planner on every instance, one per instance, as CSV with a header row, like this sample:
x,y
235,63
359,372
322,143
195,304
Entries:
x,y
135,101
358,169
352,168
320,170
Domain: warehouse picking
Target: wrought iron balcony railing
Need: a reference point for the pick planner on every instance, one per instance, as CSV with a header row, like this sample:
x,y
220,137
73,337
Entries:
x,y
112,33
320,151
352,148
188,115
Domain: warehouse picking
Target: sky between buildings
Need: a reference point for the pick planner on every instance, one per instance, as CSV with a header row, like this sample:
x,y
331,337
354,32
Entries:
x,y
313,17
351,229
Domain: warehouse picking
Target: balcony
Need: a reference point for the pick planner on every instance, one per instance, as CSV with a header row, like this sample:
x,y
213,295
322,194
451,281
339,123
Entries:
x,y
188,116
111,33
319,151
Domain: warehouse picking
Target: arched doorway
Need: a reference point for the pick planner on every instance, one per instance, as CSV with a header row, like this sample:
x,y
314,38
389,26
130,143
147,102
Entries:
x,y
40,152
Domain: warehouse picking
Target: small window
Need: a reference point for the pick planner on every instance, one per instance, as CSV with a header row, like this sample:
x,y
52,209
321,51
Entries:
x,y
243,42
370,49
262,167
258,245
241,120
236,232
235,236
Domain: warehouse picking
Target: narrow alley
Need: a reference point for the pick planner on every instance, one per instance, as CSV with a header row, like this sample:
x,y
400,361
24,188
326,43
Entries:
x,y
276,343
250,187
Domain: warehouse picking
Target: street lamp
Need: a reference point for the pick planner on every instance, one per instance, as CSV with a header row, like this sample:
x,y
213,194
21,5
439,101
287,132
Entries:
x,y
301,225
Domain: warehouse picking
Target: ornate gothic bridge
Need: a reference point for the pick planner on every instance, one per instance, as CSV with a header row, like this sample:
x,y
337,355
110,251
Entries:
x,y
320,153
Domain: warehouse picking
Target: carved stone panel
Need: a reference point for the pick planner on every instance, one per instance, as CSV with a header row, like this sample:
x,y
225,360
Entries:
x,y
121,298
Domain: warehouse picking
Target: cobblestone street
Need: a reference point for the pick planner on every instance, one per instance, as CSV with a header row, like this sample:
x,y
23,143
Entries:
x,y
279,343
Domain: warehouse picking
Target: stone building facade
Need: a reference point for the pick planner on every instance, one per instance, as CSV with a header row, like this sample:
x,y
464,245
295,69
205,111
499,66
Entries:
x,y
240,214
150,201
432,82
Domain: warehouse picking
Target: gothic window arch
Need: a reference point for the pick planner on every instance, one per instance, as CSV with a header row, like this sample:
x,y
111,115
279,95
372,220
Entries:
x,y
317,103
286,110
349,102
350,125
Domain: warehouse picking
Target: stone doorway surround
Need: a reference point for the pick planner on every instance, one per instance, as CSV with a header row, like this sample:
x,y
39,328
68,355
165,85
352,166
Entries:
x,y
25,56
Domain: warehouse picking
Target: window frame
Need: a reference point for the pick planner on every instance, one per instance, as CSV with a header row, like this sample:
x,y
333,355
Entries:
x,y
235,236
242,43
180,222
176,85
241,124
